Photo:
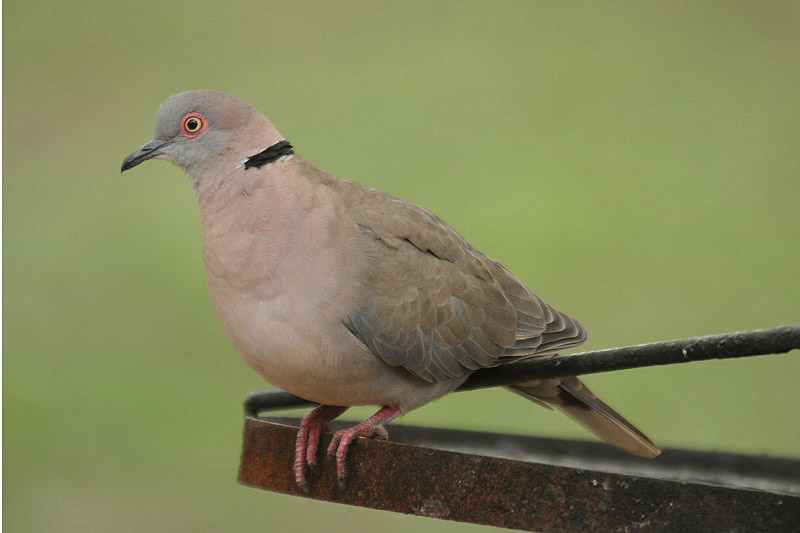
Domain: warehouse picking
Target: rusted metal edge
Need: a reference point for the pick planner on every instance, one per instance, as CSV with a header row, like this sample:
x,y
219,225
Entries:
x,y
531,483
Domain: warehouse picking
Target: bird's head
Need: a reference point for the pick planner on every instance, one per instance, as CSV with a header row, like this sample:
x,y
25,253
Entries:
x,y
202,131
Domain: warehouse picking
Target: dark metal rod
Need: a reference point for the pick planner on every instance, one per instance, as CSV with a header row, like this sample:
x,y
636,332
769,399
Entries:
x,y
780,339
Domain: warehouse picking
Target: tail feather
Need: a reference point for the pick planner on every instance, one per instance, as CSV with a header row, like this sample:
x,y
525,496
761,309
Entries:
x,y
574,399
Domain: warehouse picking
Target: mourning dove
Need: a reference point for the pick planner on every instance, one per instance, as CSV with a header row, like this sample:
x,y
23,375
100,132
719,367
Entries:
x,y
345,295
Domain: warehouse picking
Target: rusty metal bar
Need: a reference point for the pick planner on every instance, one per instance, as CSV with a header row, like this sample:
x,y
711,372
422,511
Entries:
x,y
536,484
779,339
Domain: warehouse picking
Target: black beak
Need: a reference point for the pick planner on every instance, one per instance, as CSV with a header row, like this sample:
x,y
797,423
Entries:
x,y
148,151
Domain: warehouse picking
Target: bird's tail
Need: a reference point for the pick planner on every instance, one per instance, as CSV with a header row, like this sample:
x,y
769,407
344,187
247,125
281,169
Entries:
x,y
571,397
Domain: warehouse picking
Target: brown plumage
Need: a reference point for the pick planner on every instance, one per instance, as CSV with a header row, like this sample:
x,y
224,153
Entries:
x,y
345,295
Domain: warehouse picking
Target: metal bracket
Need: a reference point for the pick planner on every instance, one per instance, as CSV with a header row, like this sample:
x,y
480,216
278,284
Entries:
x,y
536,484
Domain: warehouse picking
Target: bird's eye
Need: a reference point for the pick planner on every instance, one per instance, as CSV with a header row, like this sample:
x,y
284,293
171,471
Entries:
x,y
193,124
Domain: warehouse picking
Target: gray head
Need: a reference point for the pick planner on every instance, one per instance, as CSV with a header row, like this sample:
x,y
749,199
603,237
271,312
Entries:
x,y
199,130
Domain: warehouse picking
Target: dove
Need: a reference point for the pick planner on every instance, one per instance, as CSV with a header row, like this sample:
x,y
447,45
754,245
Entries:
x,y
345,295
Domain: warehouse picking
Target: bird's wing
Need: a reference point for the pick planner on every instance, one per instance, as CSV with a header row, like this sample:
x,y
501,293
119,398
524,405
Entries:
x,y
434,305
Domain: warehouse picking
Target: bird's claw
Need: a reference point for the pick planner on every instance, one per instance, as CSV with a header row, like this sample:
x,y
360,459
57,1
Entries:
x,y
307,442
340,444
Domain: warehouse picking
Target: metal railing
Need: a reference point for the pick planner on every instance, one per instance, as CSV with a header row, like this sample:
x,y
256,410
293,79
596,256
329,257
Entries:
x,y
543,484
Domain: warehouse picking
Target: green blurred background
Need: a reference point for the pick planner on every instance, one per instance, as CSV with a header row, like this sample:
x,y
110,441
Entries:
x,y
637,165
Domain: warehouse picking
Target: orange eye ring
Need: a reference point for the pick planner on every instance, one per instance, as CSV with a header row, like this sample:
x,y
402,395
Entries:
x,y
193,124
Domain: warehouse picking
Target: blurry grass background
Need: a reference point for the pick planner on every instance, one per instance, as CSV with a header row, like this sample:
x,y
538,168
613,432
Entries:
x,y
637,165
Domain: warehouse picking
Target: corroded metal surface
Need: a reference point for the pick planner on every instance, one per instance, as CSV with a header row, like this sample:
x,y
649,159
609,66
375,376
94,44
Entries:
x,y
527,495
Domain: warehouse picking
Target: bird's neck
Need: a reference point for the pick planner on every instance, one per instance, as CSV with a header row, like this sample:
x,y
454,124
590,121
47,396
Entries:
x,y
223,172
248,221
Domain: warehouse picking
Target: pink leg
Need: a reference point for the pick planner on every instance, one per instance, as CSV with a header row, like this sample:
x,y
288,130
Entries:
x,y
371,427
305,450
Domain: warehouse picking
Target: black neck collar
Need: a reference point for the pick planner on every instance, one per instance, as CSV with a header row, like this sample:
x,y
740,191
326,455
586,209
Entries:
x,y
272,153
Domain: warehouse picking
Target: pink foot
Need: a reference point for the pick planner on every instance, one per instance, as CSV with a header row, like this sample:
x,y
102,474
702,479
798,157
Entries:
x,y
371,427
305,450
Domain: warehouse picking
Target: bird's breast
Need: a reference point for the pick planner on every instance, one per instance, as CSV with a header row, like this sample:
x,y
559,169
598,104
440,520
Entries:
x,y
283,284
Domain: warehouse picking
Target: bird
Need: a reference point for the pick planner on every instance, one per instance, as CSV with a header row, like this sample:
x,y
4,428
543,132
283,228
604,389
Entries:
x,y
345,295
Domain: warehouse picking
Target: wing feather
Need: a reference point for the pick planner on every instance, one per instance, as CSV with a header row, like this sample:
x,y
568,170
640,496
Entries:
x,y
437,307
